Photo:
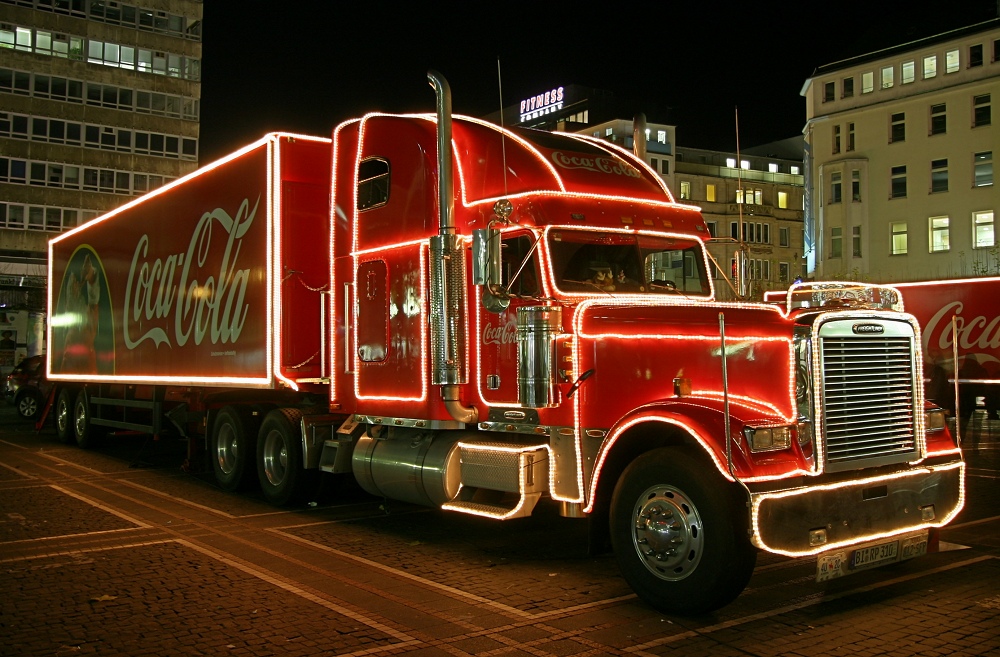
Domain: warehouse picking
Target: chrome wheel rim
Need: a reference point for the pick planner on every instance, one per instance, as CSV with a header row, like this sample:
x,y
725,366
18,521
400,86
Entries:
x,y
667,533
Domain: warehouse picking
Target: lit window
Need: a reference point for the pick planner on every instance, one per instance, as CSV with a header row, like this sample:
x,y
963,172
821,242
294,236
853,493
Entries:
x,y
856,241
939,176
939,119
898,187
739,195
661,136
898,238
930,66
887,72
908,72
835,187
982,229
795,170
710,192
897,129
772,167
867,82
608,132
685,189
976,55
783,200
745,164
758,197
731,162
983,169
939,234
951,64
836,242
981,111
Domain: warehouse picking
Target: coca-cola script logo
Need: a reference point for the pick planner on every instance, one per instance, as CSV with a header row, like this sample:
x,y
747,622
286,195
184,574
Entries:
x,y
171,294
980,333
596,164
500,335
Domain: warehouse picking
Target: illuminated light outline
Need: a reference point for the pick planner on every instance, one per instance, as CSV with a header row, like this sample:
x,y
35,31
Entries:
x,y
334,181
758,498
630,298
275,297
625,154
267,380
948,281
919,431
424,386
521,478
504,132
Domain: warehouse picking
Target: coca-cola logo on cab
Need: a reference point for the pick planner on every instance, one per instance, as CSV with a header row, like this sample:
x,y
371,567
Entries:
x,y
500,335
596,164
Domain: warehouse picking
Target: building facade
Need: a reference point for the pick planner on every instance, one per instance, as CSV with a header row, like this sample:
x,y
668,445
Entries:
x,y
899,155
99,103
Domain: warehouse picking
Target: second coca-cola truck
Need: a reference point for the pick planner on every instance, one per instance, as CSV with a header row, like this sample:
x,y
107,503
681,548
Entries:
x,y
483,320
961,332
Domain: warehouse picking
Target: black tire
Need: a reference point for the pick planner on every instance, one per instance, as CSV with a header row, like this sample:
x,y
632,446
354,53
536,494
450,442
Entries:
x,y
280,468
84,431
234,446
64,415
679,532
29,404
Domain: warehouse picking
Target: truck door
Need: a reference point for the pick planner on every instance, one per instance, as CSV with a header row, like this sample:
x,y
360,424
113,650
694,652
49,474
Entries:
x,y
498,332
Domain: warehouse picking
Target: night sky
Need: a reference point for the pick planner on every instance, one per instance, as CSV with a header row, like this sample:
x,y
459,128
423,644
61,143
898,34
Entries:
x,y
305,65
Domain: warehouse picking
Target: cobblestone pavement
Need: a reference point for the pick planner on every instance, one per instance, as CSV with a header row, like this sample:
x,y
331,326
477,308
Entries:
x,y
115,551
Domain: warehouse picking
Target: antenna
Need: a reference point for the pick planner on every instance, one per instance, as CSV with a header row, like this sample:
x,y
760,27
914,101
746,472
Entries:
x,y
503,137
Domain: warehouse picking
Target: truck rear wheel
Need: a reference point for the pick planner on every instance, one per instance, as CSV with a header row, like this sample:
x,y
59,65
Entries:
x,y
234,443
84,431
64,416
680,533
280,468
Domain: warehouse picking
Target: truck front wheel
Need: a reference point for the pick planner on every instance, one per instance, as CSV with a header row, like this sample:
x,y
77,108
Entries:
x,y
680,534
234,440
280,468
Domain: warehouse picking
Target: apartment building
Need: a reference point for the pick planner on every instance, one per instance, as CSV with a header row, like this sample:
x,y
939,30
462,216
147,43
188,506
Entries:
x,y
899,157
99,103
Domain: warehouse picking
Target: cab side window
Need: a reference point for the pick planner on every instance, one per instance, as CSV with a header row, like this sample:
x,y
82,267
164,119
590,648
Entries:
x,y
373,183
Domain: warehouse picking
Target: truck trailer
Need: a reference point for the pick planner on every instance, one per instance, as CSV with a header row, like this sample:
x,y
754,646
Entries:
x,y
483,320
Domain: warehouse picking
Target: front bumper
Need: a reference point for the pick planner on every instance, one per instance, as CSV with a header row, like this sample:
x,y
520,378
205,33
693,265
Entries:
x,y
821,517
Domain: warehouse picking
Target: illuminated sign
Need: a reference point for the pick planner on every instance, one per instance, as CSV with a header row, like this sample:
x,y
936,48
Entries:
x,y
541,104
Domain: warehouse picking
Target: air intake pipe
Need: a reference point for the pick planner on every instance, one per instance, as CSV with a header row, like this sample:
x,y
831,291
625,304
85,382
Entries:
x,y
448,281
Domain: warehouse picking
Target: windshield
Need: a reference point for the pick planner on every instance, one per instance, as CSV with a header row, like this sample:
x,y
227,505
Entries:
x,y
627,263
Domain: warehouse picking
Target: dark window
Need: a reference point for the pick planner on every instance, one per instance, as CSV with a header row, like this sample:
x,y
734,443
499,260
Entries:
x,y
373,183
898,128
848,87
939,175
898,189
976,55
939,119
981,112
829,92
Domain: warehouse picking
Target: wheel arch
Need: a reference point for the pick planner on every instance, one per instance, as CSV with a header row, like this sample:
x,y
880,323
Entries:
x,y
662,425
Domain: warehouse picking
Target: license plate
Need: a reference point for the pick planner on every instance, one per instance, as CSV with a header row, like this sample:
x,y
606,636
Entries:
x,y
838,563
875,555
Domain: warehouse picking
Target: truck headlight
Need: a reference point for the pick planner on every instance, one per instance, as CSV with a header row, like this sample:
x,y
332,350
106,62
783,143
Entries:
x,y
767,439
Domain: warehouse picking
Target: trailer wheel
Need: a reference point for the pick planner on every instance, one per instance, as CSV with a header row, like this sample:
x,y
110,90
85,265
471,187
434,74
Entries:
x,y
83,429
234,442
283,477
680,534
29,404
64,416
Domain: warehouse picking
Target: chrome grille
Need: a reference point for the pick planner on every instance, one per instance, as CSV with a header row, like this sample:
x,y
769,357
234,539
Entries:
x,y
868,397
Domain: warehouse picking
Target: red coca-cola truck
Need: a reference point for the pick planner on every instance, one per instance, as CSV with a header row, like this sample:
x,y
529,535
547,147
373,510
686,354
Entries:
x,y
961,333
484,320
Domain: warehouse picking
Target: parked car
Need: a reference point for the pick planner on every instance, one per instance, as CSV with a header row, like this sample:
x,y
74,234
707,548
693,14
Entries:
x,y
27,388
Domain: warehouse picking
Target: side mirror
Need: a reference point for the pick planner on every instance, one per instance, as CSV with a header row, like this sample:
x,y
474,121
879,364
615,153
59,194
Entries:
x,y
486,268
